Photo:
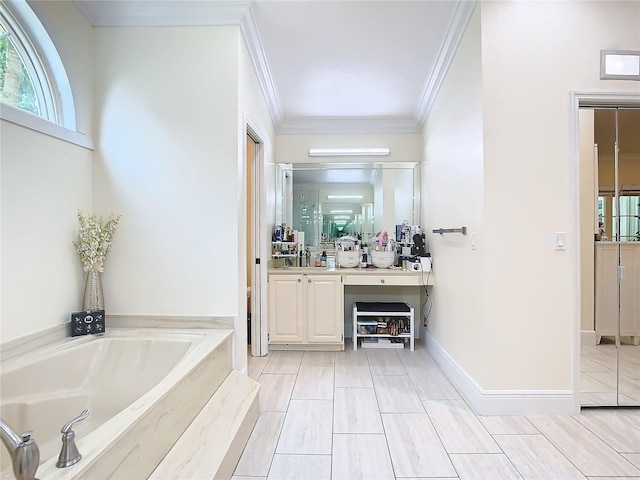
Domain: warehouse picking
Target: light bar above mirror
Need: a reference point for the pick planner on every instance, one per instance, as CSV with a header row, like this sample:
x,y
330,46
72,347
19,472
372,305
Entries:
x,y
349,152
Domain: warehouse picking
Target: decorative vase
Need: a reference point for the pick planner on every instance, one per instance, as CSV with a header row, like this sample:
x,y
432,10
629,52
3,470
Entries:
x,y
93,299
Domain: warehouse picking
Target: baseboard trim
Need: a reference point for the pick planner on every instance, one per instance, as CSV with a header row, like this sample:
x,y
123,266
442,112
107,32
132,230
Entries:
x,y
500,402
588,337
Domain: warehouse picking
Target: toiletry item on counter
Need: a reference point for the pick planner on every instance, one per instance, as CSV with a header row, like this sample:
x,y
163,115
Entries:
x,y
323,259
318,260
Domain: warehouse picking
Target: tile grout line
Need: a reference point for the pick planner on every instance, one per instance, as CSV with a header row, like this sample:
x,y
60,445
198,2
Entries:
x,y
562,453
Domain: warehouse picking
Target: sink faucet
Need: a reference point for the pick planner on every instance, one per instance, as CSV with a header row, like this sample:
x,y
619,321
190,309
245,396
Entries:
x,y
24,452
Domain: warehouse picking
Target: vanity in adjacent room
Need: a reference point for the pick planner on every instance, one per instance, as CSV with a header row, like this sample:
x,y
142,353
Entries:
x,y
311,308
308,307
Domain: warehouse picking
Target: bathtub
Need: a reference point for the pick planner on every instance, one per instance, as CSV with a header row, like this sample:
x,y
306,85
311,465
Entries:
x,y
142,388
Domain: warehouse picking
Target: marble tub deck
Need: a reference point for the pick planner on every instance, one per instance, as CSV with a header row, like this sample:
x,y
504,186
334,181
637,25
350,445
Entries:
x,y
380,414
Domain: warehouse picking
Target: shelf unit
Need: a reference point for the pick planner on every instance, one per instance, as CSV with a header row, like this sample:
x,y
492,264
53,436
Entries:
x,y
368,315
278,247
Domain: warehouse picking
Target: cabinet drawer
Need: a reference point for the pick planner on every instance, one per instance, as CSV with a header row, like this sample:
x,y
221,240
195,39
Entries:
x,y
401,280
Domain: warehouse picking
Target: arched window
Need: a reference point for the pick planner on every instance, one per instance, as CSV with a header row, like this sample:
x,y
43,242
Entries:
x,y
32,76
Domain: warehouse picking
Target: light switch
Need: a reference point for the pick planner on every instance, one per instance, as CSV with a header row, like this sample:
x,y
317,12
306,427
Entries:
x,y
560,240
474,241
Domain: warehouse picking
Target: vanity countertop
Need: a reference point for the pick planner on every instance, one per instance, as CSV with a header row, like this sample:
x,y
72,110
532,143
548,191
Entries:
x,y
341,271
356,276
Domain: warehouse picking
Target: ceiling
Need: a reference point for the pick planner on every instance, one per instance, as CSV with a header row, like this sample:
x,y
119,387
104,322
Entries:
x,y
326,66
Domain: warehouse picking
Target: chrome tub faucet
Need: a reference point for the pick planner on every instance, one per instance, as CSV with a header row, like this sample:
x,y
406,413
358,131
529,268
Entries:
x,y
25,455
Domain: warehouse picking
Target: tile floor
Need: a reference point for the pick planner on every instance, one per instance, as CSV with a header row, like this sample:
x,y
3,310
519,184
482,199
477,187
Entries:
x,y
599,384
385,414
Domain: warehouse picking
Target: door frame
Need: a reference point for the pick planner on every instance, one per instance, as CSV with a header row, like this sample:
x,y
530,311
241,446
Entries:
x,y
259,249
578,99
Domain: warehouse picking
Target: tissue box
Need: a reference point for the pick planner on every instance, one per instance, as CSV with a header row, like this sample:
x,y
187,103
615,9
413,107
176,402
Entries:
x,y
87,322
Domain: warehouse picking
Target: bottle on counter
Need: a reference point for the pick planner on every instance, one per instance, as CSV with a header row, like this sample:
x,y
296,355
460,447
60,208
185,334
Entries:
x,y
323,259
318,260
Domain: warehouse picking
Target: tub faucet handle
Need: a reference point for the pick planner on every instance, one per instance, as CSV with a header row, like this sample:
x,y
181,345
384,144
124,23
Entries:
x,y
67,426
69,455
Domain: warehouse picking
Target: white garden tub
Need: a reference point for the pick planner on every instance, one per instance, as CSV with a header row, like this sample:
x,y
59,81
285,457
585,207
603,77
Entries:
x,y
142,388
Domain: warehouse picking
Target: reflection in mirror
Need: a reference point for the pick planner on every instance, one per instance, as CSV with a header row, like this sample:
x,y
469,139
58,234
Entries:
x,y
610,361
329,200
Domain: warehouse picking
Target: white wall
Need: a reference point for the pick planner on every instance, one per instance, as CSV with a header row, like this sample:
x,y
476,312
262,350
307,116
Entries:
x,y
44,182
252,108
511,180
173,104
452,194
530,185
168,162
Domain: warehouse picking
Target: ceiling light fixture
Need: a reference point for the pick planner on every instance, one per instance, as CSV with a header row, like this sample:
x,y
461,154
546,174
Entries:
x,y
619,65
333,212
342,217
344,197
349,152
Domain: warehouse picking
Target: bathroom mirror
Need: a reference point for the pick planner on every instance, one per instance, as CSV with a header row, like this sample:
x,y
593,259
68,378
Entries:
x,y
328,200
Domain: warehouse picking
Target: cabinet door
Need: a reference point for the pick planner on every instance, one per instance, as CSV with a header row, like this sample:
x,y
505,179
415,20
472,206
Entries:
x,y
324,309
606,301
629,288
285,309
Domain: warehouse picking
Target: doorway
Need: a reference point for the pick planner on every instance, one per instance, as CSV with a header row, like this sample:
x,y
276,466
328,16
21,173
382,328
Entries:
x,y
610,240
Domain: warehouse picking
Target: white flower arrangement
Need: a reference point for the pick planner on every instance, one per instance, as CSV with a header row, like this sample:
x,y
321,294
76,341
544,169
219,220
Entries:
x,y
94,239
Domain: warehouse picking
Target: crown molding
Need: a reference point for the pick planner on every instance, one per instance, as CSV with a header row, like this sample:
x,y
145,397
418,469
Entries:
x,y
455,32
252,39
162,13
347,125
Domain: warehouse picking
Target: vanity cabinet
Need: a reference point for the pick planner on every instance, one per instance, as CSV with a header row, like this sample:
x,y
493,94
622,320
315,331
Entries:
x,y
285,308
306,309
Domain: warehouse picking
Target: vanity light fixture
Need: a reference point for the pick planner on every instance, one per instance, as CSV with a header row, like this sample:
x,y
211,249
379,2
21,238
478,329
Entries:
x,y
619,65
344,197
349,152
342,217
